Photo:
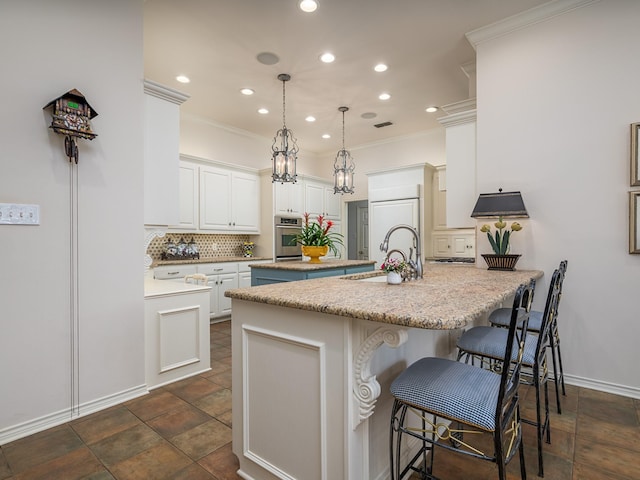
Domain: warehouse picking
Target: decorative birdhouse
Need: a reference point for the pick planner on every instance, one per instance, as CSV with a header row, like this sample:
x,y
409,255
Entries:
x,y
71,115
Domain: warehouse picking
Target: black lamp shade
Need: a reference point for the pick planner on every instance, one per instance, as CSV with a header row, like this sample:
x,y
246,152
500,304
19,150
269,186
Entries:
x,y
501,204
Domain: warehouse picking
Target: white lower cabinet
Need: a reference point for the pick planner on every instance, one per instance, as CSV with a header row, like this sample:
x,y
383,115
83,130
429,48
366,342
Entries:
x,y
176,336
220,277
454,245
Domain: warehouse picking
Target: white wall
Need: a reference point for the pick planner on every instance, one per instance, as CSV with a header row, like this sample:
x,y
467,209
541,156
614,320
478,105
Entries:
x,y
48,48
427,147
555,101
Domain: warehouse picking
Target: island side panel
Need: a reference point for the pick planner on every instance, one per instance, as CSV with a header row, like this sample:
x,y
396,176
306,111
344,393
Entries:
x,y
289,390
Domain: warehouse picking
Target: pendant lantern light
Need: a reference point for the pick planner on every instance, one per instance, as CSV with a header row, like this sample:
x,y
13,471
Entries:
x,y
284,151
343,166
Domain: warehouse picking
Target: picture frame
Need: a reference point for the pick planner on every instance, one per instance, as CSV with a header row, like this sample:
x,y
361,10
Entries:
x,y
635,154
634,222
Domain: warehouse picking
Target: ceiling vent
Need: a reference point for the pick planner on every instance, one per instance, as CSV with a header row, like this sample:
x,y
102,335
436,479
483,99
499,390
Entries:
x,y
383,124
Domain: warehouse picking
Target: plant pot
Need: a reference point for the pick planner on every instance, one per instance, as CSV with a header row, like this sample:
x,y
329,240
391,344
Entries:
x,y
314,253
501,262
394,278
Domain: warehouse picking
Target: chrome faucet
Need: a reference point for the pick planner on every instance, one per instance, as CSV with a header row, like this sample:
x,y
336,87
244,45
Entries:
x,y
416,266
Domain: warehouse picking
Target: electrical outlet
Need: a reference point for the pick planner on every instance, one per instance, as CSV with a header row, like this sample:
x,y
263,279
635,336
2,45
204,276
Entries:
x,y
19,214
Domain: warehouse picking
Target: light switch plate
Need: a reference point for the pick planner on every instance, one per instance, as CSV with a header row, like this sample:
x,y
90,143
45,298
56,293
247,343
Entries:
x,y
19,214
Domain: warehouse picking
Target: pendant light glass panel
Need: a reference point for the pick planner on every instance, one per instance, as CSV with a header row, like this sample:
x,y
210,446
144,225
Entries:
x,y
343,166
284,151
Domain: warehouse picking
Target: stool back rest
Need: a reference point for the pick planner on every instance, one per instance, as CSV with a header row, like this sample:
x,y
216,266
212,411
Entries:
x,y
507,398
550,313
563,272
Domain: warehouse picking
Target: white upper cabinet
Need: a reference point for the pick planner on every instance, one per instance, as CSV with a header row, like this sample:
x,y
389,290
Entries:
x,y
215,199
189,201
218,199
229,200
320,199
245,208
288,198
161,153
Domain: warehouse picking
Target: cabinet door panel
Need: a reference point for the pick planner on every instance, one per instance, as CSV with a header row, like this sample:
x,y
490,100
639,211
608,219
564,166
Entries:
x,y
226,282
214,199
441,247
188,196
331,203
314,199
459,246
244,194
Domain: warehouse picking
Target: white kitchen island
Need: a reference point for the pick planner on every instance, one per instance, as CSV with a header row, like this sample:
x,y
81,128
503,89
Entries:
x,y
313,359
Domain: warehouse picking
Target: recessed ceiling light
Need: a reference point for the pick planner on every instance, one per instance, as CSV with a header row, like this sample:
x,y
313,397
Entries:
x,y
268,58
263,111
381,67
431,109
369,115
183,79
310,118
247,91
326,135
384,96
327,57
308,6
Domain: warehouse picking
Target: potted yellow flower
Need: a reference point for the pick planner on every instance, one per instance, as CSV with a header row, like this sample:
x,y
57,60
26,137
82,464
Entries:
x,y
501,259
316,238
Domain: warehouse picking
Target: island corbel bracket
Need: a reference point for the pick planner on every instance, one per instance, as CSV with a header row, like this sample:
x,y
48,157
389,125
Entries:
x,y
366,388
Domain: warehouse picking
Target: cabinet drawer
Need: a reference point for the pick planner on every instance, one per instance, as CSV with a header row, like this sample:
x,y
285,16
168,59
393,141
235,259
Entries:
x,y
173,271
218,268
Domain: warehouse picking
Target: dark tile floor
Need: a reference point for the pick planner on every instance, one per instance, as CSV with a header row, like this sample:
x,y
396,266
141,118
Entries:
x,y
183,431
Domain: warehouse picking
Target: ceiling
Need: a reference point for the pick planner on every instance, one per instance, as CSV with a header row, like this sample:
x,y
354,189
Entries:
x,y
215,44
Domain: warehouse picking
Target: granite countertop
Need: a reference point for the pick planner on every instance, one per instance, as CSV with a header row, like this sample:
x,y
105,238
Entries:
x,y
448,297
307,266
188,261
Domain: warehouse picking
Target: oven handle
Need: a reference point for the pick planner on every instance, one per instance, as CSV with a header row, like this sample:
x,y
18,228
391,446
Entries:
x,y
288,227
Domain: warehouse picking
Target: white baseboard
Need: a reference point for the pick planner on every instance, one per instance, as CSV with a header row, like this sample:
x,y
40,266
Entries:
x,y
36,425
608,387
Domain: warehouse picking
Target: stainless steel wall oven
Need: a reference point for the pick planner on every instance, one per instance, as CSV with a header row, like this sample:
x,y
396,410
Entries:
x,y
285,230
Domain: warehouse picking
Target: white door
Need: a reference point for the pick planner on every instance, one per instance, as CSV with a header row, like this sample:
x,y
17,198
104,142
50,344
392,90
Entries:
x,y
362,233
383,216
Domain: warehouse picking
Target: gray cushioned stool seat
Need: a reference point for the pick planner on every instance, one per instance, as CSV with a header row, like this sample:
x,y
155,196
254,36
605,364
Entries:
x,y
490,342
451,390
502,316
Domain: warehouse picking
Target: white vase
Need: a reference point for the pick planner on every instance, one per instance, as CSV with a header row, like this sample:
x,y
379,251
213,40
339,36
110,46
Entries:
x,y
394,278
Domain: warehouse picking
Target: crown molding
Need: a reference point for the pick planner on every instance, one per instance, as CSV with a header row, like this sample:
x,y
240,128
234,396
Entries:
x,y
525,19
165,93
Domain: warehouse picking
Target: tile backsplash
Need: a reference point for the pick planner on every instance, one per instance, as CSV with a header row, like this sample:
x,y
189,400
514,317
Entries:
x,y
215,245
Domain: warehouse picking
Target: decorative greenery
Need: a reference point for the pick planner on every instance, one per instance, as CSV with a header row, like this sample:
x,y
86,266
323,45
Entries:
x,y
393,265
317,234
500,243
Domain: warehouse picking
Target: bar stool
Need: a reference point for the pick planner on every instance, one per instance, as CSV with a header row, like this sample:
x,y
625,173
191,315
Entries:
x,y
500,318
487,345
473,399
